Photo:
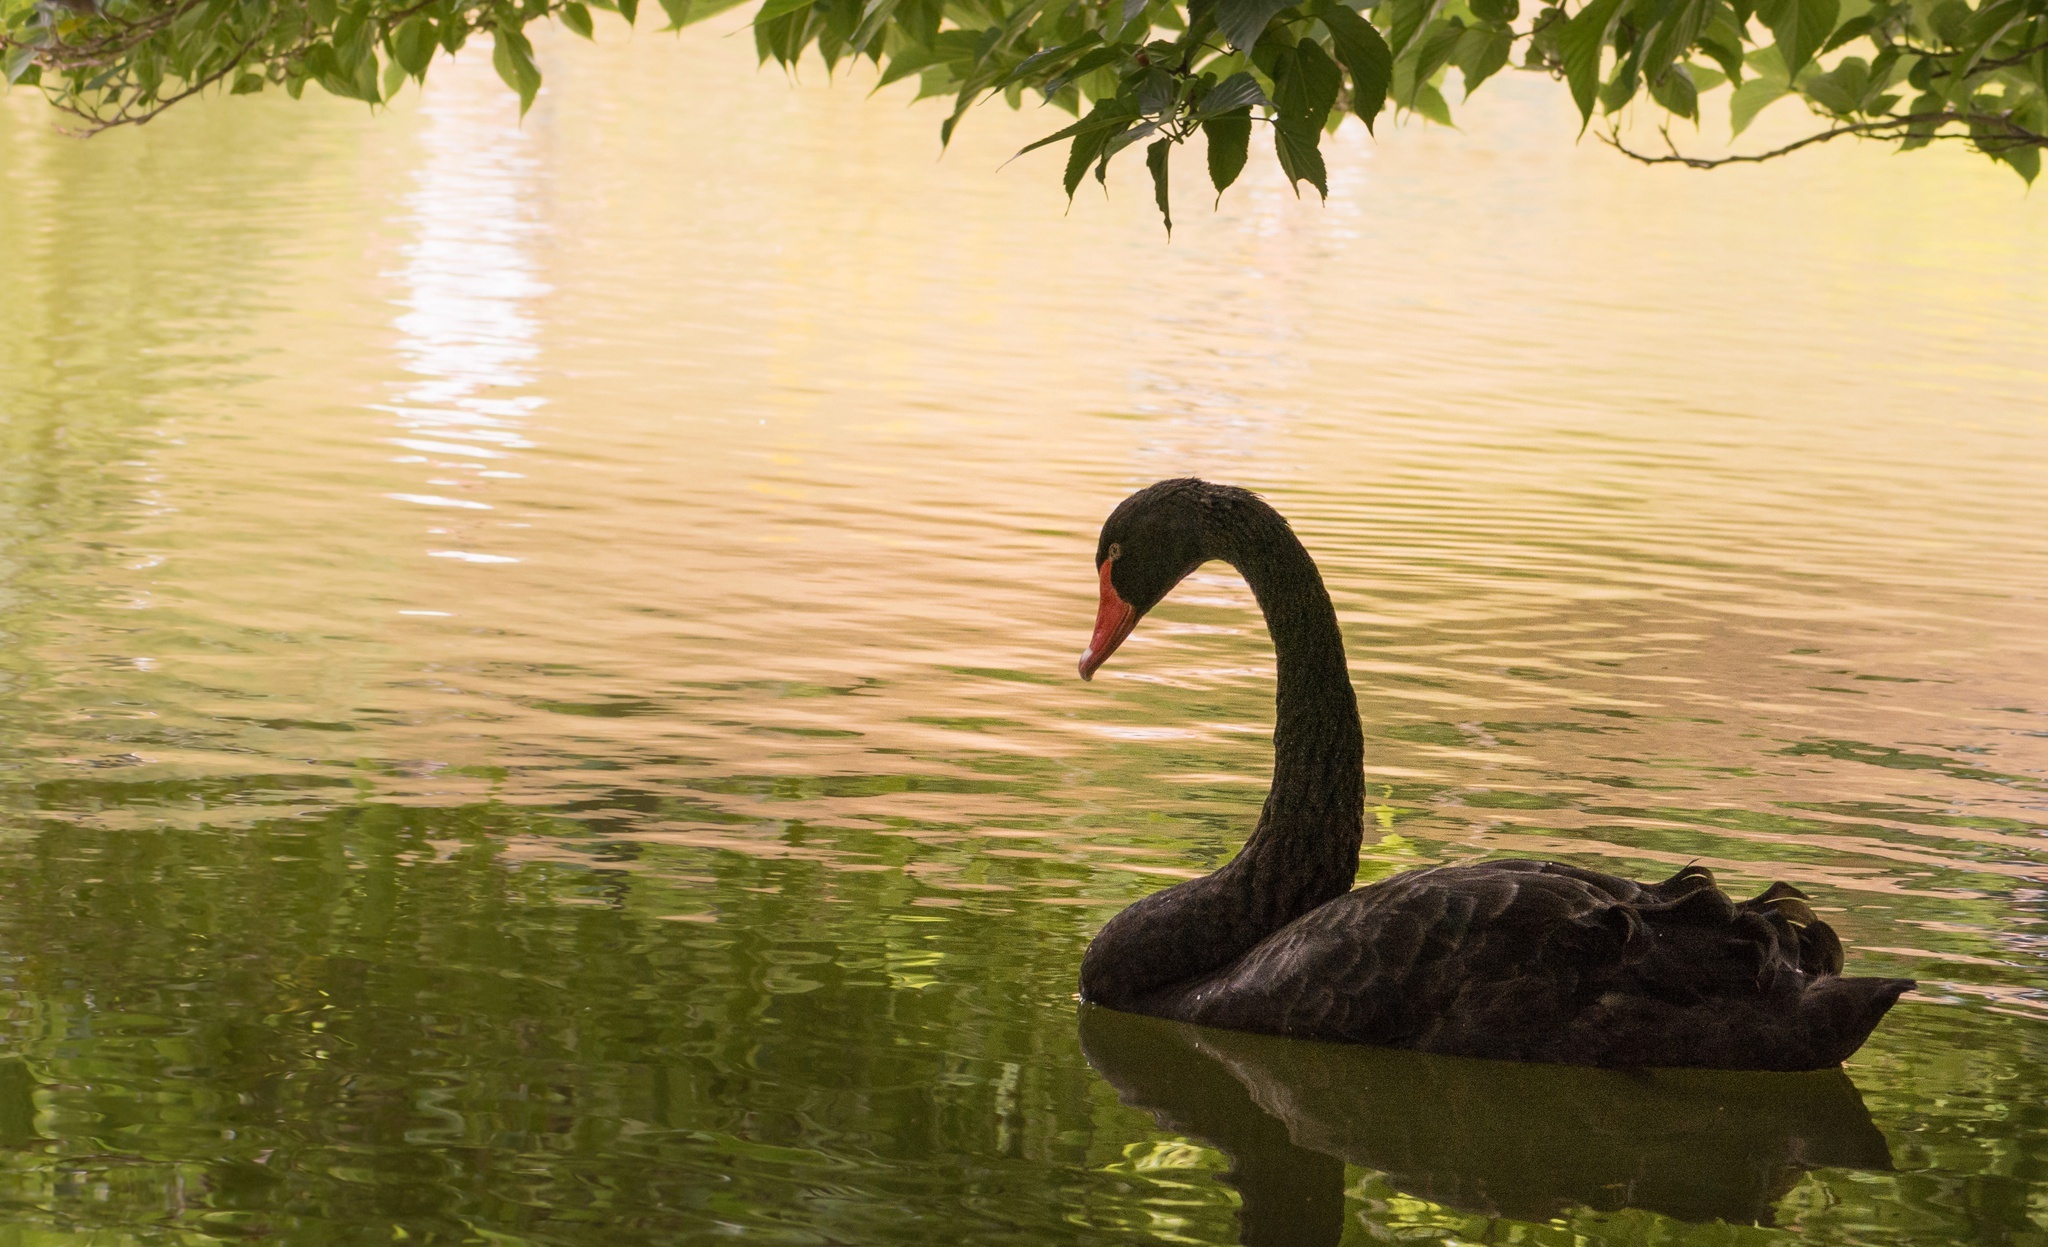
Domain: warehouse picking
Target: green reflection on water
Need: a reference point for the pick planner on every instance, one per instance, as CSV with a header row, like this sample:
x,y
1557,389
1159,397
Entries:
x,y
370,1019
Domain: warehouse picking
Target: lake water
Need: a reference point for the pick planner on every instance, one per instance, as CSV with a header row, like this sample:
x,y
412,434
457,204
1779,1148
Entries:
x,y
537,697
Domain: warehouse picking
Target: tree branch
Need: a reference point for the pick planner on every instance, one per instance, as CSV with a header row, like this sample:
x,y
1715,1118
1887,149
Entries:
x,y
2013,136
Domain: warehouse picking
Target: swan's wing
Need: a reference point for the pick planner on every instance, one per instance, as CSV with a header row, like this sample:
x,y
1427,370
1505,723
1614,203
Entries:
x,y
1540,961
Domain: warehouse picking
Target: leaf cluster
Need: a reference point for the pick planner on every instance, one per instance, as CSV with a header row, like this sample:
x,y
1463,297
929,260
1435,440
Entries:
x,y
119,62
1146,72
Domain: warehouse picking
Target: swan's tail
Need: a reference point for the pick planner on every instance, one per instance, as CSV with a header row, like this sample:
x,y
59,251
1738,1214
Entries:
x,y
1707,940
1840,1013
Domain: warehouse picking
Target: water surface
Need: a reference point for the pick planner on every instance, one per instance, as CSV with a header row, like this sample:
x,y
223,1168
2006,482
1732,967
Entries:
x,y
537,693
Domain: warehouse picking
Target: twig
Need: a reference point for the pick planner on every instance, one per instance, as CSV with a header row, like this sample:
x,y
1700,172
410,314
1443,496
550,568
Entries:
x,y
2014,136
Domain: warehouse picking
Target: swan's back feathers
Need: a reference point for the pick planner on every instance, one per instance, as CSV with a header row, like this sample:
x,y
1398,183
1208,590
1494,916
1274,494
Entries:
x,y
1539,961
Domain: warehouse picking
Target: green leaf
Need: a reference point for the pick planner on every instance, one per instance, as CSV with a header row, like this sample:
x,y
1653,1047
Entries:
x,y
1366,57
1990,21
1322,81
1670,34
318,62
1753,97
1105,116
1430,103
1118,140
905,63
1435,47
1405,20
1854,28
1230,138
1305,84
842,20
1155,159
1677,92
1157,93
1986,30
1482,52
2025,161
1495,10
352,38
149,72
1036,63
1088,64
349,71
1840,90
1296,141
784,38
1950,19
577,18
1580,44
247,84
1621,86
773,9
513,59
1724,45
1767,63
1921,133
365,81
1234,94
19,61
1801,27
693,11
1243,21
630,10
412,45
1086,150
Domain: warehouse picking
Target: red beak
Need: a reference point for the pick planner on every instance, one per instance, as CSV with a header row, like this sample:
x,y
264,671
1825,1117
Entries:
x,y
1114,619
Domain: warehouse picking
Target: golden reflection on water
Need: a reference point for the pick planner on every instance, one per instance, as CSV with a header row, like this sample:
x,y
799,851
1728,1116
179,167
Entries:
x,y
701,465
668,402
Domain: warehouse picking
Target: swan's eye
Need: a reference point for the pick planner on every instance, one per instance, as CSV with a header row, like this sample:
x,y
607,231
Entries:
x,y
1116,551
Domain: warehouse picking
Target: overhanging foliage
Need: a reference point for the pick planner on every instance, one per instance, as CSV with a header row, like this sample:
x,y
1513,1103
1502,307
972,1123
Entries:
x,y
1151,72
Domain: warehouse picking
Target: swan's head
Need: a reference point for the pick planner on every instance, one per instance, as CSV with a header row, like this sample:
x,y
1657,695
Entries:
x,y
1151,541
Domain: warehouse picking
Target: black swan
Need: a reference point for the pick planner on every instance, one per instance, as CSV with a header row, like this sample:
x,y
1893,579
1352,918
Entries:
x,y
1516,960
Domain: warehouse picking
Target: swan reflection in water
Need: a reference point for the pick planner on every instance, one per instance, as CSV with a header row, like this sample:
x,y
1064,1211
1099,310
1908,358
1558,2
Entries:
x,y
1527,1142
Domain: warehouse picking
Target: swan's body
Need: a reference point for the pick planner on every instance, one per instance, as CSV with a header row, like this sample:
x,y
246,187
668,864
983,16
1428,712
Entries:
x,y
1531,961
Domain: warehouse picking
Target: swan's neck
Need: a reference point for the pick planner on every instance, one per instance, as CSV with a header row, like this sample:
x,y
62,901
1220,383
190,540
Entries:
x,y
1304,851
